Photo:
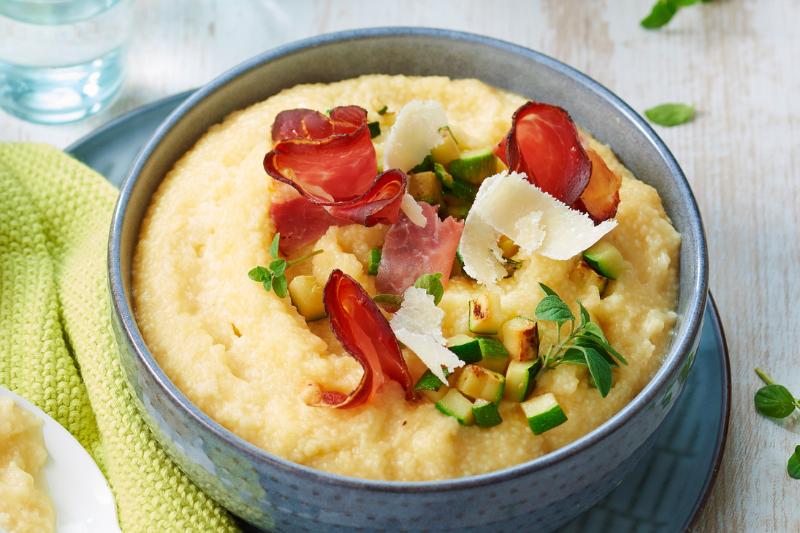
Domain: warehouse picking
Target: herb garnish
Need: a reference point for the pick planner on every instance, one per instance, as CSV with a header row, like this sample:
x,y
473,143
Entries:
x,y
585,345
670,114
273,277
794,464
774,400
383,110
430,282
777,402
374,129
664,10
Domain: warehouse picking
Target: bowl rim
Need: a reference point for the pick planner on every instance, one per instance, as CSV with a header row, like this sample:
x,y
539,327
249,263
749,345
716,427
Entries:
x,y
673,361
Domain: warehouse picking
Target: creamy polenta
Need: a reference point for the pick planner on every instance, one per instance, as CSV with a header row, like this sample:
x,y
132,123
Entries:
x,y
243,355
25,505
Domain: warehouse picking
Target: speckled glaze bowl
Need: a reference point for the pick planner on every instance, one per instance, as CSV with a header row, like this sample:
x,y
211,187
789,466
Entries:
x,y
278,495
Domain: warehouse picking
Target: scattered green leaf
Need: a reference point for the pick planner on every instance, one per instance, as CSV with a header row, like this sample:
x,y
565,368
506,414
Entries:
x,y
670,114
383,110
660,15
273,248
794,464
775,401
389,300
374,129
600,371
273,277
547,290
432,285
553,309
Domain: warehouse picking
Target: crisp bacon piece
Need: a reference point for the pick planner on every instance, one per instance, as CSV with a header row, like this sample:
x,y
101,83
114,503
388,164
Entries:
x,y
366,335
301,124
379,205
330,165
543,143
601,198
410,251
336,168
297,220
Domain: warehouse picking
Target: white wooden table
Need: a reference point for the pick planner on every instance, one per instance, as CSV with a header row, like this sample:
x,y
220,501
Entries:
x,y
737,60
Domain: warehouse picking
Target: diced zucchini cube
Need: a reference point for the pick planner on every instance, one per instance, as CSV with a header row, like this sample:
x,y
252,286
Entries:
x,y
543,413
425,187
521,338
474,166
485,414
458,406
478,382
466,348
448,150
374,261
584,275
306,296
605,259
425,166
429,381
521,379
485,314
462,190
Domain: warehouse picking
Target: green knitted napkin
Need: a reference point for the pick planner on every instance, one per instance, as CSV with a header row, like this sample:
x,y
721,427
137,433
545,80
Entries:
x,y
56,345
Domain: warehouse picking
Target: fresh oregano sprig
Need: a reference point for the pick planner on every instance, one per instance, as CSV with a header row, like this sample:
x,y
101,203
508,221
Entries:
x,y
585,345
273,277
777,402
432,283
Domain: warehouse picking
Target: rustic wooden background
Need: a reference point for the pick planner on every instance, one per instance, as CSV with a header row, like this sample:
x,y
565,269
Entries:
x,y
737,60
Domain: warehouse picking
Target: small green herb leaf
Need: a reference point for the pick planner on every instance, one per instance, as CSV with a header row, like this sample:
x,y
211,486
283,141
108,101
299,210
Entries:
x,y
277,267
553,309
600,371
268,283
775,401
594,330
574,356
670,114
432,285
602,344
279,285
383,110
585,318
660,15
597,345
389,300
547,290
794,464
685,3
256,274
273,249
374,129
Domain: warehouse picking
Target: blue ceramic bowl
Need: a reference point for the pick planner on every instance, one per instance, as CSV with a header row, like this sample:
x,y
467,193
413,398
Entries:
x,y
279,495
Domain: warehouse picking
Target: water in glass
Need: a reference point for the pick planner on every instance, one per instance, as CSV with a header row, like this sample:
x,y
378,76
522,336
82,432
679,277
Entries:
x,y
61,60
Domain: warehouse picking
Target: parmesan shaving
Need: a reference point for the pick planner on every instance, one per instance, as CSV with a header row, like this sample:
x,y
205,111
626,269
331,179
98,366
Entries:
x,y
414,133
413,211
418,325
538,223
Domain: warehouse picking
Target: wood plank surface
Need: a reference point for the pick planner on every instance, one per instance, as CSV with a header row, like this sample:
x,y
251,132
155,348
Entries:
x,y
737,60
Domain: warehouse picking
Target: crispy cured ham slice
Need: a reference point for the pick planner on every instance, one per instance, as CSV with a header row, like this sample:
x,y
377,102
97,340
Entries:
x,y
410,251
331,167
601,197
543,143
366,335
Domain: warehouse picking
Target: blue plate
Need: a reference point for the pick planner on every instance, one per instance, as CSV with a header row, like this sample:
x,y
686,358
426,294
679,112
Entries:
x,y
663,494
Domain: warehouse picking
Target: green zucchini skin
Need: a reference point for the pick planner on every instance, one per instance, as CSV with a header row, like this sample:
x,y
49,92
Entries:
x,y
485,414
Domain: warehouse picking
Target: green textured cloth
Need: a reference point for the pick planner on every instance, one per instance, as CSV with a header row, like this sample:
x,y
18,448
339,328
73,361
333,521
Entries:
x,y
56,344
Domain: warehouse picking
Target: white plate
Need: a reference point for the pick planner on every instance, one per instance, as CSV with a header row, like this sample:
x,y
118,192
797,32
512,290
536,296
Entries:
x,y
83,500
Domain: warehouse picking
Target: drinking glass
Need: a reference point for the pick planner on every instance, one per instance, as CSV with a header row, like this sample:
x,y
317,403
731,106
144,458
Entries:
x,y
61,60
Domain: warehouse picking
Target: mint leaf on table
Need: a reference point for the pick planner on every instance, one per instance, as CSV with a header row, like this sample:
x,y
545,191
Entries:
x,y
670,114
775,401
663,11
660,15
794,464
